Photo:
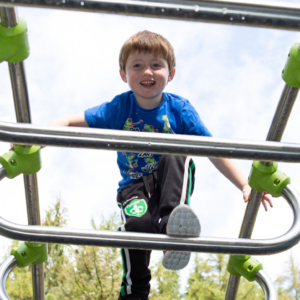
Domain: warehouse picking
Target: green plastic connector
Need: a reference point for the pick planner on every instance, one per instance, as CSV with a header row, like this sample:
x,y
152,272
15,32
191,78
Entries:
x,y
291,70
30,253
244,265
267,178
24,160
14,45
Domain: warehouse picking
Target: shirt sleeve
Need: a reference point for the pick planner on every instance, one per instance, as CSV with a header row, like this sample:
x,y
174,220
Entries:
x,y
106,115
192,124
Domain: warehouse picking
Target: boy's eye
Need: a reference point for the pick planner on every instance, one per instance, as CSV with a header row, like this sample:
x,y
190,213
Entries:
x,y
137,65
156,65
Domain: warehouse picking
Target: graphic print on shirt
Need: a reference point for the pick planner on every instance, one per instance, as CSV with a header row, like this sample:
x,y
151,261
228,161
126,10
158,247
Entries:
x,y
167,127
135,159
151,164
129,125
131,164
149,128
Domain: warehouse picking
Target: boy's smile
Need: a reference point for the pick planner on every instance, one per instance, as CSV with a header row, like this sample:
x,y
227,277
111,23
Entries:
x,y
147,76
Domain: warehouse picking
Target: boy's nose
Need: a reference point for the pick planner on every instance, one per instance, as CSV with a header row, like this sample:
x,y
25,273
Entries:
x,y
148,71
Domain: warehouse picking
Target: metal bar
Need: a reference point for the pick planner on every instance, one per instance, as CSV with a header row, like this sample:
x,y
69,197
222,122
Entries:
x,y
251,13
245,232
8,17
280,119
6,267
22,108
134,240
2,173
282,113
20,92
120,140
267,285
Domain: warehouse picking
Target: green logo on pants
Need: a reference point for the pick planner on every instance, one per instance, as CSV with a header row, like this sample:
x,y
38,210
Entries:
x,y
136,208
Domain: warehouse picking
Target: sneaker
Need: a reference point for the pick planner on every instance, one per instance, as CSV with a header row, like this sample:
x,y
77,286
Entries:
x,y
182,222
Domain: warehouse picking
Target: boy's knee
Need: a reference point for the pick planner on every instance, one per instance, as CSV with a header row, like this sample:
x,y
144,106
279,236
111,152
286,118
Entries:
x,y
139,224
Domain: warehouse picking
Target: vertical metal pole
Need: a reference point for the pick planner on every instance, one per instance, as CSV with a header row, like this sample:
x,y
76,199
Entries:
x,y
280,119
21,101
2,173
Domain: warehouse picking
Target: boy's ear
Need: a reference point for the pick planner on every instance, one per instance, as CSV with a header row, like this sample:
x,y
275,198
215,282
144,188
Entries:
x,y
171,75
123,76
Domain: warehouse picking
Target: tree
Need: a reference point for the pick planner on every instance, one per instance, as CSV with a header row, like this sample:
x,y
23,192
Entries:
x,y
98,271
288,285
58,266
72,272
209,278
19,284
166,285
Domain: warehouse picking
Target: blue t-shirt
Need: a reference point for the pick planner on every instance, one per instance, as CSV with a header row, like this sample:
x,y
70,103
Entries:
x,y
175,115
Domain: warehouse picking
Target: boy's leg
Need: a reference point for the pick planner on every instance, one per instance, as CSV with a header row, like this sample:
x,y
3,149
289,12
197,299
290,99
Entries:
x,y
136,216
176,182
175,176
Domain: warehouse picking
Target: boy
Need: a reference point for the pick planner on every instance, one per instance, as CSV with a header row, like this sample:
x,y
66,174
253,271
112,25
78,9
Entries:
x,y
155,190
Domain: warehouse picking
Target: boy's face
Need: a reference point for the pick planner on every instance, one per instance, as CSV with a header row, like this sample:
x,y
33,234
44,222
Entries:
x,y
147,76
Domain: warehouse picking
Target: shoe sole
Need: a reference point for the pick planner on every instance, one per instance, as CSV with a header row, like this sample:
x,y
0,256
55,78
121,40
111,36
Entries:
x,y
182,222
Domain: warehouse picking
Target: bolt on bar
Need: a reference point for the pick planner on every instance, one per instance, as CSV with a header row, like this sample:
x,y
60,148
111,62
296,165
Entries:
x,y
22,108
280,119
119,140
246,13
135,240
5,268
267,285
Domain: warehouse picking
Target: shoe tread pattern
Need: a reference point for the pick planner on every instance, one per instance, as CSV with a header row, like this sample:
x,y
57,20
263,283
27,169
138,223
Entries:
x,y
183,222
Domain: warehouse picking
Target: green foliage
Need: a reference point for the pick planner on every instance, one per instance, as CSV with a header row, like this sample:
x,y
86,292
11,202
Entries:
x,y
58,265
209,278
288,286
98,271
19,284
167,284
72,272
84,272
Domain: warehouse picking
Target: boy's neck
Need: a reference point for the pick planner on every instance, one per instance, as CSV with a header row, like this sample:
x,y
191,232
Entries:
x,y
149,103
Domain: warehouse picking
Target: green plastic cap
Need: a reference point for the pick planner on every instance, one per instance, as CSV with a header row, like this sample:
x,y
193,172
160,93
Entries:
x,y
24,160
14,45
30,253
267,178
244,265
291,70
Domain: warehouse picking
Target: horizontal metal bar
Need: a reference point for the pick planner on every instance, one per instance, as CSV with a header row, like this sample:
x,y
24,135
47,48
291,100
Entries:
x,y
251,13
267,285
133,240
121,140
6,267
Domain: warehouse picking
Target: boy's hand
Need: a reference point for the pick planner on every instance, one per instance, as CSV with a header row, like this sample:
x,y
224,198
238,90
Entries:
x,y
267,198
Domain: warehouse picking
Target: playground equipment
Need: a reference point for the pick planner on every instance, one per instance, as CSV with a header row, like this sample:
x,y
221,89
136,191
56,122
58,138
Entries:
x,y
264,174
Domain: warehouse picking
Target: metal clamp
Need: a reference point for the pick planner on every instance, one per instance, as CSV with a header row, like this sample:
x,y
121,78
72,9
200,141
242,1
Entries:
x,y
24,160
291,71
30,253
267,178
14,43
244,265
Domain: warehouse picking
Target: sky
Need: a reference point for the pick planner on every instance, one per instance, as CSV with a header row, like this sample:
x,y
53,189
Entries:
x,y
230,74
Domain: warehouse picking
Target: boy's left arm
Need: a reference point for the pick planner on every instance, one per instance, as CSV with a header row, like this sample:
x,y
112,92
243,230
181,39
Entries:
x,y
231,171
